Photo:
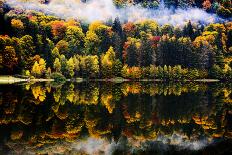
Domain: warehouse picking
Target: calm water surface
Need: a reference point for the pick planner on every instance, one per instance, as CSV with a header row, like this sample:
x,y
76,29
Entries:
x,y
116,118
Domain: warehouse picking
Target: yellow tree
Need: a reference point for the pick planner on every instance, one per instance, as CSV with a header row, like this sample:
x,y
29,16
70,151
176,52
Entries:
x,y
98,38
91,43
219,32
39,68
57,65
107,62
17,25
70,67
148,26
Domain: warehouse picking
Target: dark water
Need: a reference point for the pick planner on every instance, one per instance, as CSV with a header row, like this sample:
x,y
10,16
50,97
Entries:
x,y
110,118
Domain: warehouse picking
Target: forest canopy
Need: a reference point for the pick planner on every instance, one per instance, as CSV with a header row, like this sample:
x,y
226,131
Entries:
x,y
39,45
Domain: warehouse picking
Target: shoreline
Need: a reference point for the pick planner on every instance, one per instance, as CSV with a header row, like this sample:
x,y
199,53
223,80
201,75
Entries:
x,y
153,80
12,80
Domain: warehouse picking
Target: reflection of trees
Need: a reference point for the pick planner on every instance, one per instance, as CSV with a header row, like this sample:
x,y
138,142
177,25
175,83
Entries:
x,y
180,108
138,111
97,121
161,88
39,92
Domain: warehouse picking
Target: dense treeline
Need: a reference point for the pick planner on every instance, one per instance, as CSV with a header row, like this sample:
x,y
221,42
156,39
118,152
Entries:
x,y
39,45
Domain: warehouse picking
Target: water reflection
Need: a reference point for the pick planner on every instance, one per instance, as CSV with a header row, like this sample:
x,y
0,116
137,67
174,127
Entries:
x,y
110,118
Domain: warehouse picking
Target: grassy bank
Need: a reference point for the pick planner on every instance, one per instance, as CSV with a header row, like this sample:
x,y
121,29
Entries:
x,y
11,79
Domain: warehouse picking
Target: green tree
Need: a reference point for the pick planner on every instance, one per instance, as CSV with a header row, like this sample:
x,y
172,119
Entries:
x,y
89,66
224,12
117,68
98,38
145,51
91,43
173,51
17,26
57,65
149,27
193,74
177,72
27,51
76,62
62,47
216,72
167,30
130,53
63,61
75,38
55,53
118,38
8,58
188,30
70,67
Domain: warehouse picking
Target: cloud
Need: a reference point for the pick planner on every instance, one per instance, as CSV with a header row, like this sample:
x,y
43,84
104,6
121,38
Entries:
x,y
105,9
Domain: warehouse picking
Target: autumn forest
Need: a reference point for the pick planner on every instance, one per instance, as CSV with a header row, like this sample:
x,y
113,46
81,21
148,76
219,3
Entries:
x,y
39,45
115,77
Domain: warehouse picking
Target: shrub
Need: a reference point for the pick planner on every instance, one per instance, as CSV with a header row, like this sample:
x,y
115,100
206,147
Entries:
x,y
58,77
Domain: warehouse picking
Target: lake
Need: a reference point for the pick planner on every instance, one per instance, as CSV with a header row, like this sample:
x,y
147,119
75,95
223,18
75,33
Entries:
x,y
116,118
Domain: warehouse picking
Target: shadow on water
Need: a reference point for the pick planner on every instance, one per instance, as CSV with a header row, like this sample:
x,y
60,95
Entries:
x,y
116,118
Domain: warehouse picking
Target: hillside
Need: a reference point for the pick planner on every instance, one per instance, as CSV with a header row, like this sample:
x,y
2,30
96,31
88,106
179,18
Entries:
x,y
171,40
